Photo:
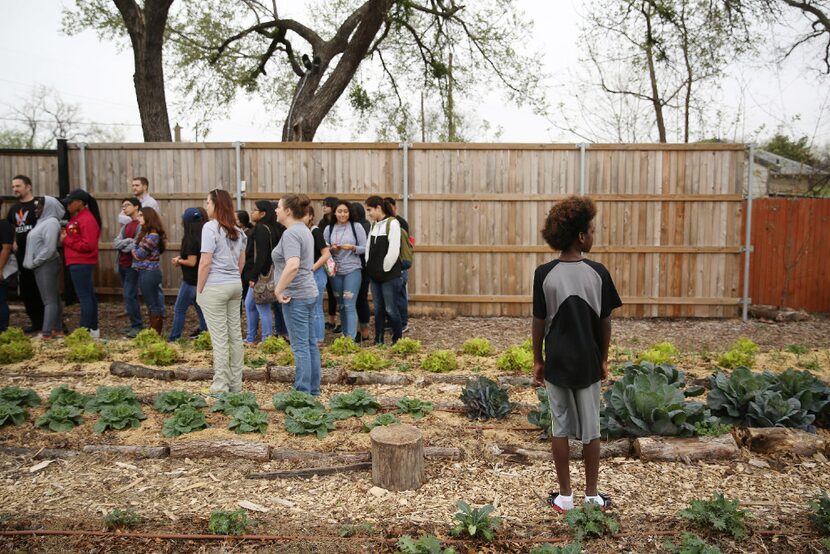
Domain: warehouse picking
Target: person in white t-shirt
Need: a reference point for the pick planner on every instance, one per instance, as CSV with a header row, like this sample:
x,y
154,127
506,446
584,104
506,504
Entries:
x,y
140,187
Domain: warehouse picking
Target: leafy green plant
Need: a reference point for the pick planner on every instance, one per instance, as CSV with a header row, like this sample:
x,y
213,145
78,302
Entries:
x,y
203,343
86,352
425,544
515,358
797,349
285,358
527,344
569,548
13,334
380,421
414,407
12,413
368,361
406,346
403,368
170,401
111,396
19,397
719,515
61,418
484,399
64,396
353,404
690,544
821,512
364,528
742,354
711,429
475,522
78,336
811,393
440,361
811,365
17,351
770,409
229,402
294,399
307,421
159,354
477,346
256,362
122,519
185,419
246,420
660,353
730,395
590,521
119,417
673,376
343,346
147,337
541,417
230,523
273,345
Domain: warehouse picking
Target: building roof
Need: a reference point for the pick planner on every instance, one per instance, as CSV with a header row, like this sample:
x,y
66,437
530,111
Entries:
x,y
784,166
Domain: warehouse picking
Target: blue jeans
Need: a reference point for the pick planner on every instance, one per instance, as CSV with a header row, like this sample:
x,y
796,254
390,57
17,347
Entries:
x,y
346,287
321,279
129,282
385,298
279,320
185,298
256,313
4,308
299,318
149,283
403,299
81,275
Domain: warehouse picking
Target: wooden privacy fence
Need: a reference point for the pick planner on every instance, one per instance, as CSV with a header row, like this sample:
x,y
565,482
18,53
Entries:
x,y
668,227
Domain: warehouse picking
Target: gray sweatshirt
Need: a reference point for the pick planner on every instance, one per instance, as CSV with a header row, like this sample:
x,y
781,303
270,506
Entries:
x,y
42,241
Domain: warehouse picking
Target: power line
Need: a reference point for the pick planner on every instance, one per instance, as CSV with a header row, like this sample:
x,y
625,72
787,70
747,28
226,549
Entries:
x,y
22,120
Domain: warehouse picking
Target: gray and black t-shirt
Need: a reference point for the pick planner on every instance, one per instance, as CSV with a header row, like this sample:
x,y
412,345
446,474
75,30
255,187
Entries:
x,y
572,298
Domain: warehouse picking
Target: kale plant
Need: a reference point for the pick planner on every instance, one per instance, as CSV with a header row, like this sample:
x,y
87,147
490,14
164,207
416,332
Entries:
x,y
12,413
568,548
61,418
273,345
118,417
484,399
170,401
591,521
541,417
475,522
246,420
690,544
719,515
19,397
64,396
294,399
380,421
229,402
821,512
230,523
353,404
185,419
122,519
307,421
425,544
111,396
771,409
414,407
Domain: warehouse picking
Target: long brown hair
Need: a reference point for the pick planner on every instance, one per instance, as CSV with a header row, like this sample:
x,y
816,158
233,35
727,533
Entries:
x,y
152,224
223,212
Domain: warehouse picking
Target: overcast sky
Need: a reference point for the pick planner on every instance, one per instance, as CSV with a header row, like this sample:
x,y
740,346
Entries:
x,y
98,78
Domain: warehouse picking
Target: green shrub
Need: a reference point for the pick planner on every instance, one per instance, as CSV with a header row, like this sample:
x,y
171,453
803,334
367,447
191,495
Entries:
x,y
353,404
742,354
484,399
425,544
78,336
690,544
19,397
111,396
719,515
12,413
591,521
660,353
172,400
14,352
821,512
475,522
285,358
256,362
440,361
119,417
13,334
64,396
515,358
61,418
159,354
273,345
229,402
368,360
343,346
230,523
477,347
797,349
147,337
307,421
414,407
122,519
380,421
185,419
527,344
294,399
406,346
711,429
203,343
86,352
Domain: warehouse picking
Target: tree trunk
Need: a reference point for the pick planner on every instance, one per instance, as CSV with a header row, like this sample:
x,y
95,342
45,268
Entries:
x,y
672,449
656,102
397,457
773,440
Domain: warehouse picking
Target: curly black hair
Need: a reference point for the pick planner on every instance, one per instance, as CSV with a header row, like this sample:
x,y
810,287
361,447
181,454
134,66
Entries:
x,y
566,219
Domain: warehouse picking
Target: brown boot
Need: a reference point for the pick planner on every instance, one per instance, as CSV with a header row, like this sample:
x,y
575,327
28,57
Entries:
x,y
157,323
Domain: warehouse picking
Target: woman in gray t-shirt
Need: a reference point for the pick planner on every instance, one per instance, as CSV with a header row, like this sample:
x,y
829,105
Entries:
x,y
296,290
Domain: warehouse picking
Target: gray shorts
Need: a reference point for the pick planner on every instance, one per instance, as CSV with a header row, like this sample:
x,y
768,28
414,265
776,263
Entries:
x,y
575,412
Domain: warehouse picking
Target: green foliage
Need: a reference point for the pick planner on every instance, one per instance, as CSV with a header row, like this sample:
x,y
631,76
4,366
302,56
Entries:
x,y
64,396
660,353
353,404
541,417
343,346
285,358
368,360
568,548
19,397
742,354
380,421
307,421
13,334
256,362
475,522
406,346
159,354
230,523
359,99
425,544
477,346
690,544
770,409
364,528
414,407
246,420
484,399
185,419
515,358
170,401
86,352
673,376
719,515
118,417
811,393
111,396
274,345
527,344
61,418
229,402
440,361
12,413
711,429
794,149
591,521
147,337
17,351
77,337
294,399
122,519
821,512
797,349
730,395
203,343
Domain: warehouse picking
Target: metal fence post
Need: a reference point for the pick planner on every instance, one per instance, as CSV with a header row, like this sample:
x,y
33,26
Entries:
x,y
82,146
748,246
238,147
582,159
405,195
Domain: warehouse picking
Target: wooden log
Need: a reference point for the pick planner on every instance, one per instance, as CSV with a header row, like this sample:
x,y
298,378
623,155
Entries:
x,y
438,452
39,453
774,313
255,374
151,452
397,457
121,369
775,440
310,471
193,373
674,449
285,374
620,448
516,380
444,378
373,378
294,455
220,448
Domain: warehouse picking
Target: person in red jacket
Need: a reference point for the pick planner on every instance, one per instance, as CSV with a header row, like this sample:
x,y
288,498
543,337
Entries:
x,y
80,247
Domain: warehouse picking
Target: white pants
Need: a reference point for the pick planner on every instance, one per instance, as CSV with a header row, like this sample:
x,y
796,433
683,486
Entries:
x,y
220,306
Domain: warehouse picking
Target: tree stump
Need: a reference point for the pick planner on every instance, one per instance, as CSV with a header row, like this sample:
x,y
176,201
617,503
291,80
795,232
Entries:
x,y
397,457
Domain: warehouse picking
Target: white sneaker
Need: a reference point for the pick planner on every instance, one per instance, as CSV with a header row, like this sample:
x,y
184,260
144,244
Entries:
x,y
95,333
